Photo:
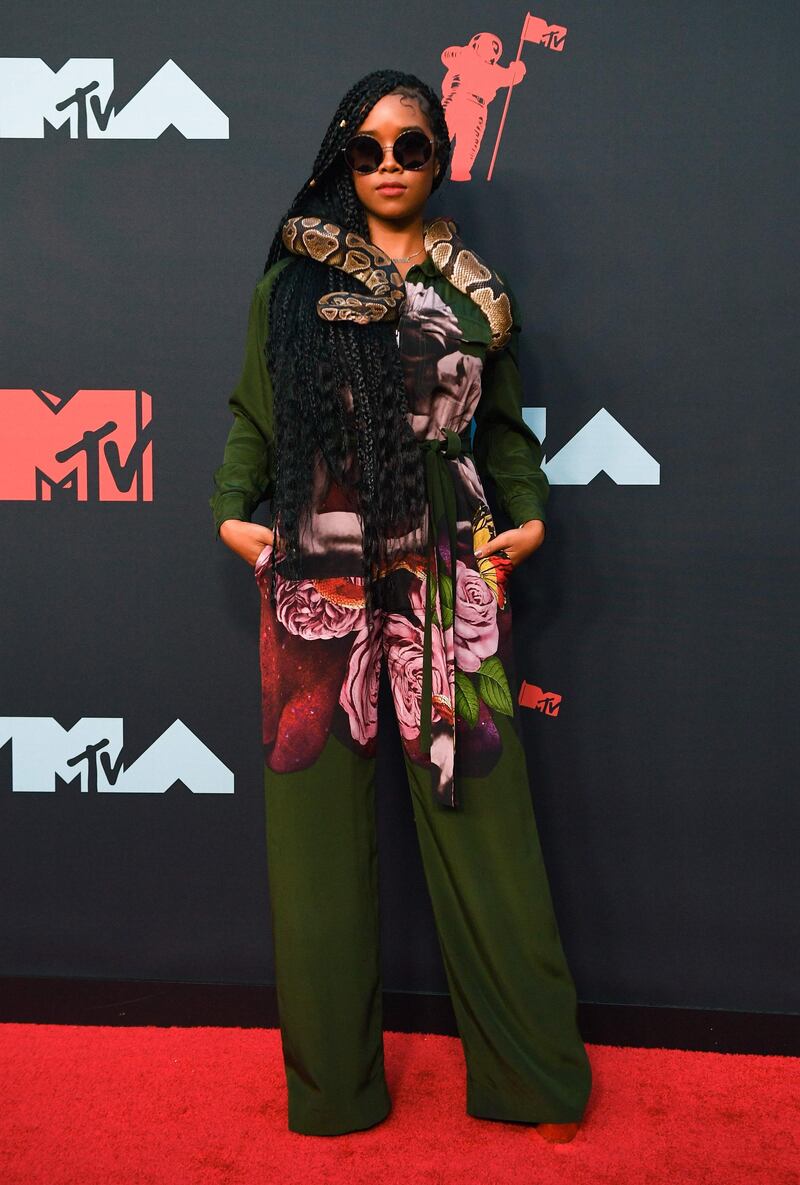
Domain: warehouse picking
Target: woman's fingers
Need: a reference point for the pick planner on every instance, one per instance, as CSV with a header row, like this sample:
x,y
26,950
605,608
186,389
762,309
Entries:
x,y
505,541
518,543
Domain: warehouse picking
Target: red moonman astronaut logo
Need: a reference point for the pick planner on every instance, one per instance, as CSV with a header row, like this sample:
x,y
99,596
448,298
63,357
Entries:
x,y
474,76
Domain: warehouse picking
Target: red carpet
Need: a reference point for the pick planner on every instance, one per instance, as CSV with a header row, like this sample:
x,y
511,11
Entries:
x,y
206,1106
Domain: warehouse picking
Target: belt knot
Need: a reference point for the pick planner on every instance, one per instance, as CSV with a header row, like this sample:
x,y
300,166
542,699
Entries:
x,y
452,444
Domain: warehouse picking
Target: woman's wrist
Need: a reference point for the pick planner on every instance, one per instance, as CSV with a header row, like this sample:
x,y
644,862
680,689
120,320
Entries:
x,y
229,528
539,535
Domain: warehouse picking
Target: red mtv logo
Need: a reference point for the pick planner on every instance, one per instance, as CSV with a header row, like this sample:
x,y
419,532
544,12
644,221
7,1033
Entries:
x,y
531,696
92,446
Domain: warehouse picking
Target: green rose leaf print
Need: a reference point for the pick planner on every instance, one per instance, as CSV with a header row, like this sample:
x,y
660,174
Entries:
x,y
431,595
466,699
493,686
447,600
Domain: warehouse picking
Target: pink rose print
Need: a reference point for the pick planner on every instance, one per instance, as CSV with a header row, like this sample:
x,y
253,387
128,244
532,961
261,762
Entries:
x,y
359,694
300,683
304,610
403,645
303,658
476,632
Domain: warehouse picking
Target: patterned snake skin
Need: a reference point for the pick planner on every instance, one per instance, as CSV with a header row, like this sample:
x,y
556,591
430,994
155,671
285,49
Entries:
x,y
339,247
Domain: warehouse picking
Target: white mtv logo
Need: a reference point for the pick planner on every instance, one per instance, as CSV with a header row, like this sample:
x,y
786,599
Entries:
x,y
601,446
92,748
81,93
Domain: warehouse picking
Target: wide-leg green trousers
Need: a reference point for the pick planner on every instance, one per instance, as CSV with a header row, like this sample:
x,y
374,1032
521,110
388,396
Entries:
x,y
511,988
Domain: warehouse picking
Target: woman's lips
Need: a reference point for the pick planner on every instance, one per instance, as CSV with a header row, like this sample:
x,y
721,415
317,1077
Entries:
x,y
389,190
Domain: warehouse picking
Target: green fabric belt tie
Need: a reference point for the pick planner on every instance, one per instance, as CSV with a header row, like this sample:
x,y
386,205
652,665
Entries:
x,y
440,489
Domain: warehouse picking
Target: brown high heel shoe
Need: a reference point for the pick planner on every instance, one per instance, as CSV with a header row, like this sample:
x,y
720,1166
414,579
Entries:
x,y
557,1133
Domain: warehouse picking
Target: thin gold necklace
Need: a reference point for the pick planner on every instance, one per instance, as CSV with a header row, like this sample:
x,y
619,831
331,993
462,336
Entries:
x,y
406,258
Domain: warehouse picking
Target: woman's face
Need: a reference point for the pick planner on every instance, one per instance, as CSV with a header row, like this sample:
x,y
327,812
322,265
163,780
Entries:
x,y
390,116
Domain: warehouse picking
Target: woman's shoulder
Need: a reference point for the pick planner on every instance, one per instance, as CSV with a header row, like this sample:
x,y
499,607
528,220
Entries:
x,y
478,267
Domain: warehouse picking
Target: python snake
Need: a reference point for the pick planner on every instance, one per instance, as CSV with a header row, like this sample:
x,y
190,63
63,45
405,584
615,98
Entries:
x,y
326,242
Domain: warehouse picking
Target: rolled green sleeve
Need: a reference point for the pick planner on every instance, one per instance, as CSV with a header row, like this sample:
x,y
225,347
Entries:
x,y
247,473
504,446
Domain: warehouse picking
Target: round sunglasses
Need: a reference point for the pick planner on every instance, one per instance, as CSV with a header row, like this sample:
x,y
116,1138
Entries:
x,y
364,153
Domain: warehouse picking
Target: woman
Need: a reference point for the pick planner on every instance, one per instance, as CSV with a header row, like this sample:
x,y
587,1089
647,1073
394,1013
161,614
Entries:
x,y
375,337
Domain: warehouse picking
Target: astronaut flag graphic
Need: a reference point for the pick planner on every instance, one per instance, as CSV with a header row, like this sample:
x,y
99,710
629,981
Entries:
x,y
535,30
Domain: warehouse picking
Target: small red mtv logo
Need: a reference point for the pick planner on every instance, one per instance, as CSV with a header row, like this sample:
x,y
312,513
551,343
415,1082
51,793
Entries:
x,y
91,446
531,696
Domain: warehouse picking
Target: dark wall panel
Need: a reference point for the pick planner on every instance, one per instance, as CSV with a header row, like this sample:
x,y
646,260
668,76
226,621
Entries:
x,y
643,203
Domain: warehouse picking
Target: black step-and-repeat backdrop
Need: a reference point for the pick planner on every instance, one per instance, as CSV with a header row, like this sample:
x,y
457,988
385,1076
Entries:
x,y
637,182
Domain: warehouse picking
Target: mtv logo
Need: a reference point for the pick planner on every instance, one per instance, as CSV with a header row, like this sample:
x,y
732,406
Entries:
x,y
93,751
540,33
80,95
602,445
546,702
91,446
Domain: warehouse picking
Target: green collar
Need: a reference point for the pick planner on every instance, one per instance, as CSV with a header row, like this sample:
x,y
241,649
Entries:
x,y
428,267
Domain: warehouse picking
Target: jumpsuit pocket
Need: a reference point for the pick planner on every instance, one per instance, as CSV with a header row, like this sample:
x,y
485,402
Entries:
x,y
496,567
262,559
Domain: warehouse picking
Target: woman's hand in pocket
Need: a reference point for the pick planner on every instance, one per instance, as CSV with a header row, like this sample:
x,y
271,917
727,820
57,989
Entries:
x,y
518,543
247,539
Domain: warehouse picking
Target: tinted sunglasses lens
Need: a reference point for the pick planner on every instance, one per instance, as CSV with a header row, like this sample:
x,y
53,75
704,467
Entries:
x,y
412,150
363,154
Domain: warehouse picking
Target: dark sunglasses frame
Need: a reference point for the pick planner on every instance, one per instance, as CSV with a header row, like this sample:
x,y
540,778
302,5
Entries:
x,y
382,149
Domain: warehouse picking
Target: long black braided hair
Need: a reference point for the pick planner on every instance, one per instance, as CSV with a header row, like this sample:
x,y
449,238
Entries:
x,y
369,448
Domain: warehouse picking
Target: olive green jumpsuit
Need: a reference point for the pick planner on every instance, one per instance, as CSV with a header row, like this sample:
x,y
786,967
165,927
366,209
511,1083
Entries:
x,y
445,634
